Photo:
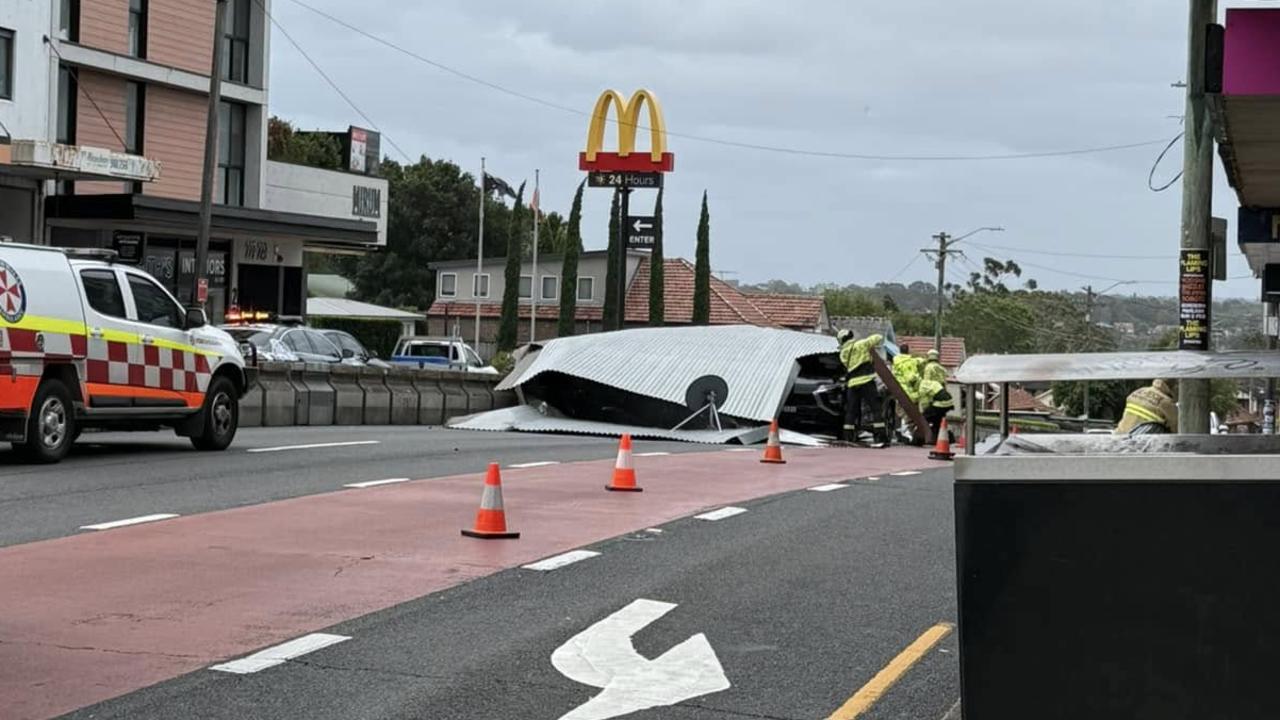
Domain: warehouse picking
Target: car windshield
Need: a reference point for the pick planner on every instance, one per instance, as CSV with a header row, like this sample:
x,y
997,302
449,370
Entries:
x,y
428,350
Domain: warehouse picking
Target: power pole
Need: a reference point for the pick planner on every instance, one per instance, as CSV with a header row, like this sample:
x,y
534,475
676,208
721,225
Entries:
x,y
1197,190
1088,338
200,278
940,261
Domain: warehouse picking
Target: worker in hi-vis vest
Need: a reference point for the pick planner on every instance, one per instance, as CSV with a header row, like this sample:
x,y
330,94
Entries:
x,y
861,397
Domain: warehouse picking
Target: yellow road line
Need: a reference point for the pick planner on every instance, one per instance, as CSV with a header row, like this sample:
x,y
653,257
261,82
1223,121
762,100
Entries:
x,y
897,667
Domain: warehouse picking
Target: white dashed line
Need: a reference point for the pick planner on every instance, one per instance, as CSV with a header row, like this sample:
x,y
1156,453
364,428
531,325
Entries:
x,y
376,483
652,454
129,521
828,488
280,654
655,531
314,446
722,513
905,473
740,450
540,463
559,561
874,477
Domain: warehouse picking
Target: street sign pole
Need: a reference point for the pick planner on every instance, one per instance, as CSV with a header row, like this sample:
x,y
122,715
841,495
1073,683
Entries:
x,y
623,231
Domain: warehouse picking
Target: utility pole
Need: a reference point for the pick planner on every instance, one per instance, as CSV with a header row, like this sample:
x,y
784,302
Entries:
x,y
200,278
940,261
1197,190
1088,339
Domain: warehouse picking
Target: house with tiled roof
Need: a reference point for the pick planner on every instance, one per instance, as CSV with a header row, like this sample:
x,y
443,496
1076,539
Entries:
x,y
459,289
952,355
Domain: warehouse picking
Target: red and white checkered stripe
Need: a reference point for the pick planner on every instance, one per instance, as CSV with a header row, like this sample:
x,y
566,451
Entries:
x,y
137,365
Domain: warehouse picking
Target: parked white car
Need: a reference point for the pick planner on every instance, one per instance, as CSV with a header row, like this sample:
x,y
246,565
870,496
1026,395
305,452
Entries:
x,y
441,353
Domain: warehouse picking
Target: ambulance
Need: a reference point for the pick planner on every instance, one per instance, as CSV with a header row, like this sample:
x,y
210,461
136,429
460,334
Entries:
x,y
86,342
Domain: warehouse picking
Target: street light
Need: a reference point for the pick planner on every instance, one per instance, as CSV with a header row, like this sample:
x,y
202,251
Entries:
x,y
1089,295
945,241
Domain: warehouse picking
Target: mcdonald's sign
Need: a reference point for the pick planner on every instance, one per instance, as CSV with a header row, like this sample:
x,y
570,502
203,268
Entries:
x,y
626,159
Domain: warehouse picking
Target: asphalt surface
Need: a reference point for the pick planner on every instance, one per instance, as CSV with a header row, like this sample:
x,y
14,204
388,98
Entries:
x,y
114,476
804,598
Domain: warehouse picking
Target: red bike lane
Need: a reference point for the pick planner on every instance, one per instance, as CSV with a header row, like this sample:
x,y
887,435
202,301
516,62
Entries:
x,y
89,617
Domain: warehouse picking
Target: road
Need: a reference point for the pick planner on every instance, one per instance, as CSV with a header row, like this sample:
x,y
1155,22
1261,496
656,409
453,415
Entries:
x,y
114,476
804,599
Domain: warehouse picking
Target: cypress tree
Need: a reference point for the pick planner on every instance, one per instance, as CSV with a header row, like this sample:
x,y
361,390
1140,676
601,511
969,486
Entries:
x,y
611,319
508,322
702,268
569,268
657,306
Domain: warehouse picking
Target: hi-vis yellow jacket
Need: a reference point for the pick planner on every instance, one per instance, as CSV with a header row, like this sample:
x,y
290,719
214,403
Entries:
x,y
906,370
855,355
1148,405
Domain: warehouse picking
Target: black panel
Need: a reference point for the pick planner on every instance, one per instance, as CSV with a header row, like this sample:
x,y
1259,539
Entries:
x,y
1118,601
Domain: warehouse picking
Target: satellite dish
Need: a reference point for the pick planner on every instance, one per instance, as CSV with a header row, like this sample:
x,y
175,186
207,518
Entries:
x,y
706,390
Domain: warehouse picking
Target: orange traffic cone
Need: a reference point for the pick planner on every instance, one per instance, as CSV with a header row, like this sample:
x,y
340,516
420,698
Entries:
x,y
773,448
960,443
491,518
624,474
942,448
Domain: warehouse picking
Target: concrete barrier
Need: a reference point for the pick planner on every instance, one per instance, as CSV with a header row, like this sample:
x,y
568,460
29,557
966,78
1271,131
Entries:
x,y
301,396
377,398
430,398
278,395
320,394
479,394
455,397
348,396
315,377
251,406
404,396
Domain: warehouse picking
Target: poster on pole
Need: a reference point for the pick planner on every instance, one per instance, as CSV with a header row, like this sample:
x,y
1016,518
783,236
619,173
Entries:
x,y
1194,299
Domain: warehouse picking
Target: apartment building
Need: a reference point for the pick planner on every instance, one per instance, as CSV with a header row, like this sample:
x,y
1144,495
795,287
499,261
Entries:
x,y
126,83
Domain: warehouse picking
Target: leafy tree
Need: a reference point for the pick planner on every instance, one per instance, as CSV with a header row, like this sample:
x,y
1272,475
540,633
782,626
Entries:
x,y
847,302
702,268
509,320
571,246
431,216
887,302
657,272
611,318
315,149
553,234
991,323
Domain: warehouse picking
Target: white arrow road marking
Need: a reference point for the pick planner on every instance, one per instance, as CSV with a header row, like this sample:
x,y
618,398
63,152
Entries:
x,y
602,656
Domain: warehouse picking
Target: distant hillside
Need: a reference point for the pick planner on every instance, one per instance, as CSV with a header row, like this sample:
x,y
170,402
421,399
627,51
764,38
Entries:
x,y
1137,319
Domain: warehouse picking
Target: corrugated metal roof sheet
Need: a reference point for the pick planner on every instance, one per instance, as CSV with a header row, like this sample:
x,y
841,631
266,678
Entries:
x,y
339,307
524,418
758,364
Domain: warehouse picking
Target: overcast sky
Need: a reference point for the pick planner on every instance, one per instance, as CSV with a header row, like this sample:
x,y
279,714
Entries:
x,y
930,77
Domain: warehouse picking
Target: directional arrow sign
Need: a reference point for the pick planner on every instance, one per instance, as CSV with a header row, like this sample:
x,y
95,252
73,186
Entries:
x,y
602,656
642,232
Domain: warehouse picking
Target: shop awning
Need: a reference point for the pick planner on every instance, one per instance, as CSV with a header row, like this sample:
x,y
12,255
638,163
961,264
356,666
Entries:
x,y
182,216
42,160
1246,113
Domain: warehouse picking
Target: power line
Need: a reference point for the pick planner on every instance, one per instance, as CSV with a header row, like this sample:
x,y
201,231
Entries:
x,y
905,268
330,81
1008,248
718,141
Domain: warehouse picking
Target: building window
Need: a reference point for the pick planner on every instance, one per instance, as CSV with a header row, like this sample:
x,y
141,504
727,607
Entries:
x,y
586,288
6,64
138,28
448,284
69,20
66,106
231,153
526,287
550,287
135,112
235,42
480,285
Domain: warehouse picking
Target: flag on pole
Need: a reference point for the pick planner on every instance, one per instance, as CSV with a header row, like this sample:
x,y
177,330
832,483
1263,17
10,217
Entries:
x,y
495,184
533,204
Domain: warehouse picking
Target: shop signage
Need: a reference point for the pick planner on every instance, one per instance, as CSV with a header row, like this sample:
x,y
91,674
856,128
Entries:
x,y
366,201
85,160
128,246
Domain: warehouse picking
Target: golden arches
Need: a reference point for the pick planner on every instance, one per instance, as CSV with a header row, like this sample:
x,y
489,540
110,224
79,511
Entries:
x,y
628,123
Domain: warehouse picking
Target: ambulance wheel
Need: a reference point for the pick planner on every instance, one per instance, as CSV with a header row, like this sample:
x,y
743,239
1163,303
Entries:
x,y
219,418
51,427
